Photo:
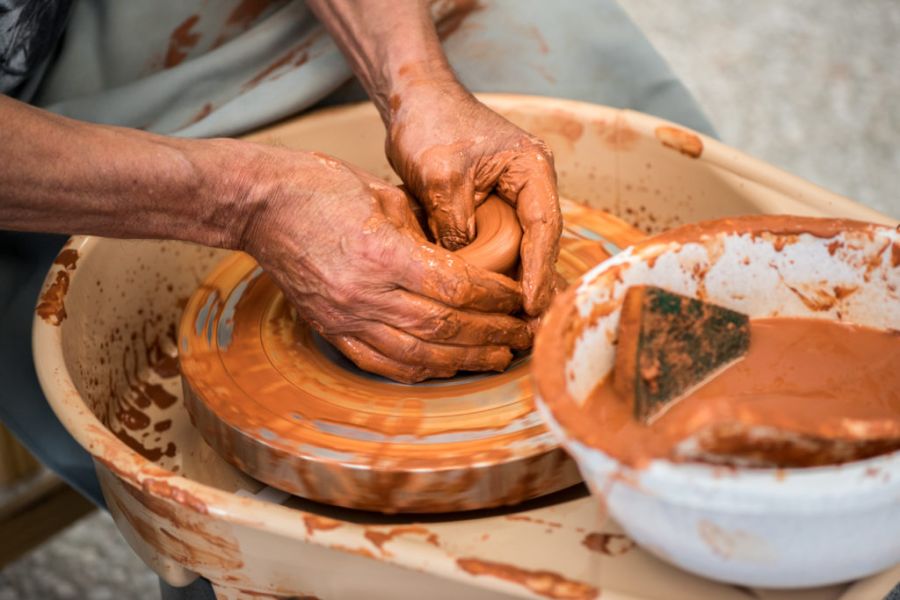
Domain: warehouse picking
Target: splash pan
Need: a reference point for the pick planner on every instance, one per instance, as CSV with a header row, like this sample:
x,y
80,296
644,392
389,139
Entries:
x,y
108,370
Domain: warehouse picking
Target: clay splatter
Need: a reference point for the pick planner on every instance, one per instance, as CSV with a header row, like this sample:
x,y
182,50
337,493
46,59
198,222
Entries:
x,y
543,583
685,142
181,42
52,308
610,544
67,259
380,538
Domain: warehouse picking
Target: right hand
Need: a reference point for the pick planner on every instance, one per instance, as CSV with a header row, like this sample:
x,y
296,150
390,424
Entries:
x,y
347,251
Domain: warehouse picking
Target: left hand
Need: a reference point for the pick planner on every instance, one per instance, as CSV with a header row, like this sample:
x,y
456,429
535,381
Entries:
x,y
452,151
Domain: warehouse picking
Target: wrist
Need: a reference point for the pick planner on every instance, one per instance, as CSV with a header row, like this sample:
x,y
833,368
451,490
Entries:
x,y
419,87
231,194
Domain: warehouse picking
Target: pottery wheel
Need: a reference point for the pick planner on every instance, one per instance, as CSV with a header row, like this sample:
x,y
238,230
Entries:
x,y
278,402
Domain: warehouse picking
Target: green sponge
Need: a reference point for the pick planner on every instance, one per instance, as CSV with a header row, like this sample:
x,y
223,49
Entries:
x,y
669,343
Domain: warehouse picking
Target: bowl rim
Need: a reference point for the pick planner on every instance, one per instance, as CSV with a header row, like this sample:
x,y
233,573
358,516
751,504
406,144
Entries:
x,y
693,483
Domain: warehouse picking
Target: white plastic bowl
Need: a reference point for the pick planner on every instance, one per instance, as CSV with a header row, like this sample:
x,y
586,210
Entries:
x,y
759,527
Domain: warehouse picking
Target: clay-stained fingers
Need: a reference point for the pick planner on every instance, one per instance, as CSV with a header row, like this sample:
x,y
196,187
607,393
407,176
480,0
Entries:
x,y
531,186
369,359
402,210
430,320
438,274
450,203
407,349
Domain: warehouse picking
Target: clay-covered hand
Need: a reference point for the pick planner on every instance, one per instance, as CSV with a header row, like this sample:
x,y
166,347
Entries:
x,y
346,249
451,151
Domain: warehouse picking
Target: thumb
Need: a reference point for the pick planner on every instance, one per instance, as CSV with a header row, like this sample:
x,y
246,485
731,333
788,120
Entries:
x,y
451,212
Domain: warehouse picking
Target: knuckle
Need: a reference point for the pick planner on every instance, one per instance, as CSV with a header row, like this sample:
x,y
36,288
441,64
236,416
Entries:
x,y
442,325
542,149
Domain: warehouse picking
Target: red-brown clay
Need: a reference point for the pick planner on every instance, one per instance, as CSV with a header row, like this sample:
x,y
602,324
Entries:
x,y
543,583
811,377
497,238
676,138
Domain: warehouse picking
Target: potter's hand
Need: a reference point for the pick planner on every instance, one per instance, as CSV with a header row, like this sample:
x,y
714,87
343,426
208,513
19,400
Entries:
x,y
348,252
449,149
452,151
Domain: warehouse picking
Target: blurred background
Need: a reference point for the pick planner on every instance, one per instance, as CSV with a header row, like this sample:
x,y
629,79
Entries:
x,y
810,86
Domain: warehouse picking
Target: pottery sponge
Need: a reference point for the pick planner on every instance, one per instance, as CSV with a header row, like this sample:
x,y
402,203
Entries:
x,y
668,344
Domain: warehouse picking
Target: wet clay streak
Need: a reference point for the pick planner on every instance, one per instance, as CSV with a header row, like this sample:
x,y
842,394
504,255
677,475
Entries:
x,y
450,14
315,523
895,255
535,520
204,551
201,114
127,413
610,544
293,58
685,142
181,42
246,12
51,307
543,583
67,259
622,137
556,123
380,538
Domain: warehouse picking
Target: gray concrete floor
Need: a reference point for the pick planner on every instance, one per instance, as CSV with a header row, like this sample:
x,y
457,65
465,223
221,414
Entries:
x,y
811,86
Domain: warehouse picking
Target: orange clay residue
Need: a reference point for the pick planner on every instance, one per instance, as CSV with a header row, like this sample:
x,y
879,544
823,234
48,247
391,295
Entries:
x,y
535,520
895,255
201,114
622,137
380,538
241,18
610,544
207,551
161,488
52,308
364,552
812,377
316,523
295,57
181,42
560,123
543,583
67,259
685,142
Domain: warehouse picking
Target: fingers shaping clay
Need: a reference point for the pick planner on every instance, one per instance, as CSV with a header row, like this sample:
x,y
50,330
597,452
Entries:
x,y
497,237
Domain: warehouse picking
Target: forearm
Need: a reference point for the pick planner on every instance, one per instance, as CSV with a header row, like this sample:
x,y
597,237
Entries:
x,y
391,45
65,176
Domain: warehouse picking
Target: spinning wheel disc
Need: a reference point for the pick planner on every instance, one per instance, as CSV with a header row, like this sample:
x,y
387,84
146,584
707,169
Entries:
x,y
281,404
